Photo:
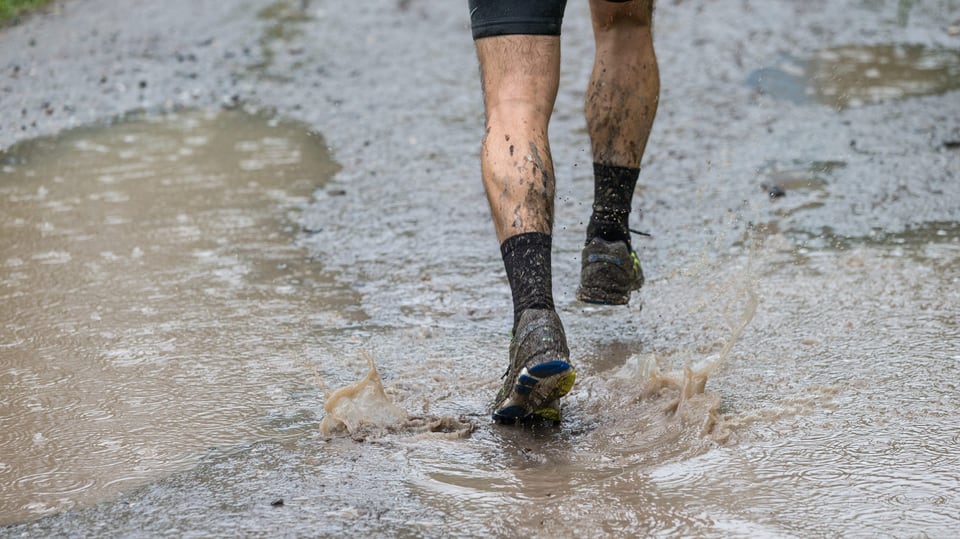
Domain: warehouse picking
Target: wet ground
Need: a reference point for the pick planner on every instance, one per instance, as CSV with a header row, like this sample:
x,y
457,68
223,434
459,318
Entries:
x,y
184,288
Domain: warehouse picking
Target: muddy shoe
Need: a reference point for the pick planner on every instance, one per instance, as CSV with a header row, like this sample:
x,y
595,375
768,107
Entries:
x,y
609,271
540,371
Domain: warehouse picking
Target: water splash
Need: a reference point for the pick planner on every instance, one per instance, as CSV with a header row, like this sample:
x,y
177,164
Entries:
x,y
363,409
361,405
684,391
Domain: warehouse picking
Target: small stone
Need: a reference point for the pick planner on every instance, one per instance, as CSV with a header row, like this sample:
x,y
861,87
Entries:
x,y
774,191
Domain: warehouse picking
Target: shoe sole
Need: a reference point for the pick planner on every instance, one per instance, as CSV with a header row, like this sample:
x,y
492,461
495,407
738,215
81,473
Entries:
x,y
536,392
599,296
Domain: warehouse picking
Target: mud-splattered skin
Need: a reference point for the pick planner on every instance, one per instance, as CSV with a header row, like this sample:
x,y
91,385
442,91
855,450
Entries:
x,y
521,187
621,99
515,160
523,201
540,188
621,137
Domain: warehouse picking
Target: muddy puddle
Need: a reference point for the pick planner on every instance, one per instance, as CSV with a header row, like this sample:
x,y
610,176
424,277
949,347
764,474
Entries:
x,y
153,304
857,75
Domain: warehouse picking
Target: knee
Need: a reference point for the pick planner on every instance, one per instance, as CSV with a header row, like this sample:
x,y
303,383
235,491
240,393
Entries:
x,y
611,16
519,112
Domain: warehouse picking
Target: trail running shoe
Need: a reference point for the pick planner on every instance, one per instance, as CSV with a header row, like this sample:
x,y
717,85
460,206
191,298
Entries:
x,y
540,371
609,271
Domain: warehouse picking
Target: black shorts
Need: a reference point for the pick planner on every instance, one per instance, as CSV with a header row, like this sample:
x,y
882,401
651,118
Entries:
x,y
511,17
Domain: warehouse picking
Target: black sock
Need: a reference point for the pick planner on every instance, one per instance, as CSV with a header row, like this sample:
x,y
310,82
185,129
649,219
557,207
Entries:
x,y
526,257
612,193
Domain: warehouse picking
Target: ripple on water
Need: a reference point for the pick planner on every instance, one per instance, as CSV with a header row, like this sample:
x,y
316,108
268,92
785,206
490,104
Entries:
x,y
53,483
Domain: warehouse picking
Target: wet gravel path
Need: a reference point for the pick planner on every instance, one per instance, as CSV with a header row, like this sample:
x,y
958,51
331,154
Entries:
x,y
392,86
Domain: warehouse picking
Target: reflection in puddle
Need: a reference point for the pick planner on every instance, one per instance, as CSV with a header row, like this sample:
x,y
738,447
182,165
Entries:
x,y
856,75
153,305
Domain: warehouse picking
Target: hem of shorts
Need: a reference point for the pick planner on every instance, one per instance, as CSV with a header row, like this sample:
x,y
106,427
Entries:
x,y
533,27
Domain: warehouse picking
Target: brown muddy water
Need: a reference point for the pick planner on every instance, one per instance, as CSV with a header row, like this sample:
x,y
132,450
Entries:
x,y
857,75
152,300
167,349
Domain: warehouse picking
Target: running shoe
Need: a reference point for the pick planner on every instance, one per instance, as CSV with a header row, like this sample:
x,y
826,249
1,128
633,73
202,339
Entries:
x,y
540,371
609,271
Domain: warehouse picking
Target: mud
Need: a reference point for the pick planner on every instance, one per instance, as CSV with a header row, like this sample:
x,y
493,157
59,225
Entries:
x,y
833,412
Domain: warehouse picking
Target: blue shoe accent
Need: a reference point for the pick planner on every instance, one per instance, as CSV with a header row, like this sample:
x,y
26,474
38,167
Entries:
x,y
605,258
523,390
528,381
549,368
